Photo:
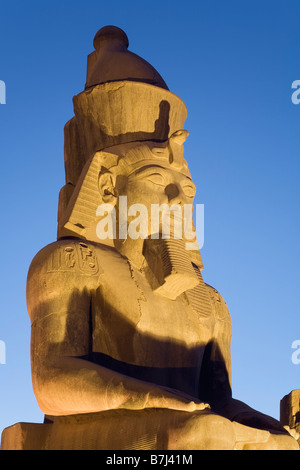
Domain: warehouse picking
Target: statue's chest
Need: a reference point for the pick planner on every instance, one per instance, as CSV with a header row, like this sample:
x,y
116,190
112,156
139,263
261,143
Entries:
x,y
133,324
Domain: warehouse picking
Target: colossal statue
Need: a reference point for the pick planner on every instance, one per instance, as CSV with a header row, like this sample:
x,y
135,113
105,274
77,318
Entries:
x,y
130,347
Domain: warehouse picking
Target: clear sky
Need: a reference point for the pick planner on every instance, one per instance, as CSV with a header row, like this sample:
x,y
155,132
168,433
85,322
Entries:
x,y
233,64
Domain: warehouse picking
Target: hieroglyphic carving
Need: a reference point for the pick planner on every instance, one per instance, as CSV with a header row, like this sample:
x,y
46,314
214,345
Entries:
x,y
79,257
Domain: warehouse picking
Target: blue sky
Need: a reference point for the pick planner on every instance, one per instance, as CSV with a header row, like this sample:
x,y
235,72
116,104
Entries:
x,y
233,64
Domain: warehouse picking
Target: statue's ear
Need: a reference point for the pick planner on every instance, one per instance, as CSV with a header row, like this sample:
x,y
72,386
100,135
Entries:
x,y
107,186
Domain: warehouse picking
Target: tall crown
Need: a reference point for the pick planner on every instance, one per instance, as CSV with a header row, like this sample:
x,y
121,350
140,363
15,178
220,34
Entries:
x,y
111,61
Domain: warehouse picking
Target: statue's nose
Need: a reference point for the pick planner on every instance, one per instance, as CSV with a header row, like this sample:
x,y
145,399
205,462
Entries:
x,y
172,191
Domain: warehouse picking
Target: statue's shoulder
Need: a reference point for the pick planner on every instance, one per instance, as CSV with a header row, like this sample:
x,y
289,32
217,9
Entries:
x,y
219,304
68,256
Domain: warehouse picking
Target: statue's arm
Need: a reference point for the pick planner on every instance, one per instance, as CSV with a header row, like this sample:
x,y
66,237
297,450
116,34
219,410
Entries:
x,y
216,376
65,381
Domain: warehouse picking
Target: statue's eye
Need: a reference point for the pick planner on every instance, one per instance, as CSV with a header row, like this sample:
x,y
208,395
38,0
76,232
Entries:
x,y
156,178
189,190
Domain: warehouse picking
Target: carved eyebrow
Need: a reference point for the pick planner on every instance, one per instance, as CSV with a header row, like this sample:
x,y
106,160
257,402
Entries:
x,y
147,169
150,169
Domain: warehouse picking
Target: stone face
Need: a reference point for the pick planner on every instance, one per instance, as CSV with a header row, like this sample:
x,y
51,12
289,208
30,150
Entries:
x,y
130,348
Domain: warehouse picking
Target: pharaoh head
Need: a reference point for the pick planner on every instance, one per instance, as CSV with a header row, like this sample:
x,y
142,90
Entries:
x,y
124,158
